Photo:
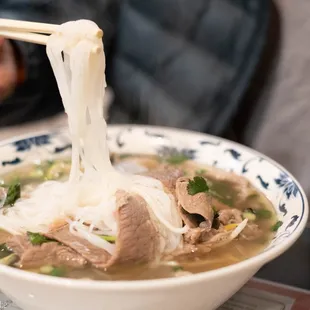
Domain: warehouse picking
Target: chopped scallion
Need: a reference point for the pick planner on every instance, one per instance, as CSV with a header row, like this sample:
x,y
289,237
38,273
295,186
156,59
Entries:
x,y
12,195
9,260
276,226
58,272
110,239
249,215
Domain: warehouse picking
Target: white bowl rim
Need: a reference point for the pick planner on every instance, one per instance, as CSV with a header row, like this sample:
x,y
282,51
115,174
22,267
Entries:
x,y
147,285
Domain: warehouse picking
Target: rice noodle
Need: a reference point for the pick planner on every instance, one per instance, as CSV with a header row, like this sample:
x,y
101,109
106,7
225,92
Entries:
x,y
87,199
80,231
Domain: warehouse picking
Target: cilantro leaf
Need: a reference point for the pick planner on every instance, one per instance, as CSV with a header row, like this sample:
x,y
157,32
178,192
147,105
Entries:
x,y
197,185
37,239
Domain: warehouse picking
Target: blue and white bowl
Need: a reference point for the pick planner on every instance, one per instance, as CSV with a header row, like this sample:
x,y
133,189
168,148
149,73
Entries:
x,y
202,291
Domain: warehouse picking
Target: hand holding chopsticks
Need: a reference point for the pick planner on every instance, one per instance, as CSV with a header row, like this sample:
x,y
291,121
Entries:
x,y
29,31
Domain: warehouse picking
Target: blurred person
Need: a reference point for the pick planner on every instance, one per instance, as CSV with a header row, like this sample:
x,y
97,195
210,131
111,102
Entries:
x,y
170,62
273,117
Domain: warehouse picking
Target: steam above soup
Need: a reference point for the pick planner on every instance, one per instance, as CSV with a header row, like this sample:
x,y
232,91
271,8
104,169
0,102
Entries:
x,y
143,217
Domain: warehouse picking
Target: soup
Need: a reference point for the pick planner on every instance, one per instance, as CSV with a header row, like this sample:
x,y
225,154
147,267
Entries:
x,y
228,221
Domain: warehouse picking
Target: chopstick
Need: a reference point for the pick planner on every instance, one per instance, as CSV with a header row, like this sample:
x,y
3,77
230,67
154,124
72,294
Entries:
x,y
24,36
25,26
31,31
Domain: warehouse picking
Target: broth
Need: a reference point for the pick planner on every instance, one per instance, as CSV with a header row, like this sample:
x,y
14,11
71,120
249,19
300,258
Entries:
x,y
226,192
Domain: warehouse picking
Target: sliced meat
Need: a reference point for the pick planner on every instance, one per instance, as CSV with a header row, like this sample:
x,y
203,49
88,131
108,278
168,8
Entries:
x,y
230,216
49,253
199,235
91,253
167,175
193,235
137,240
223,237
18,244
251,232
194,209
240,184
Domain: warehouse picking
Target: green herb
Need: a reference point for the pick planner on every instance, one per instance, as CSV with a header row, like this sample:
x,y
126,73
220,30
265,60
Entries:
x,y
249,210
110,239
9,260
4,250
200,172
276,226
177,268
263,214
37,239
58,272
249,215
177,159
12,195
53,271
197,185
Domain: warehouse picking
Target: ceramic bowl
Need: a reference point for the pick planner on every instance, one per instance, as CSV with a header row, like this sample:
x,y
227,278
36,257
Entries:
x,y
203,291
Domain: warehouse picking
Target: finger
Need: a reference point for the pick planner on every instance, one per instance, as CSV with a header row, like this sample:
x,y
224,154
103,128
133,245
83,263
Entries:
x,y
1,42
8,73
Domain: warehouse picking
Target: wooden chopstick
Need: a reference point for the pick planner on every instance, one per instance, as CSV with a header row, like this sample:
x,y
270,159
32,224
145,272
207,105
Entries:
x,y
25,26
32,32
24,36
32,38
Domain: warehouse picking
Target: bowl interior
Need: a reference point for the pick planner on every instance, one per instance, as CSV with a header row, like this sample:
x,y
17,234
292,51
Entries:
x,y
273,180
